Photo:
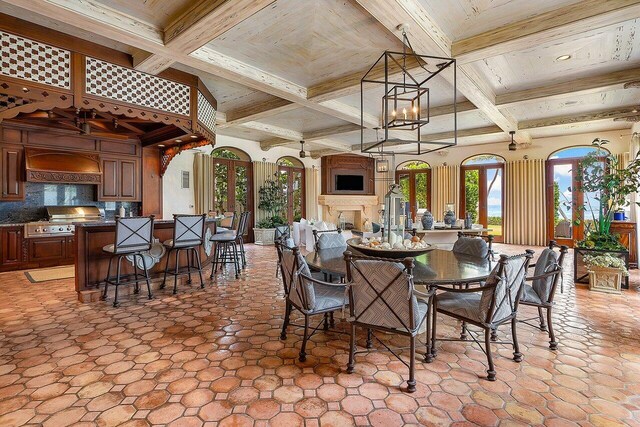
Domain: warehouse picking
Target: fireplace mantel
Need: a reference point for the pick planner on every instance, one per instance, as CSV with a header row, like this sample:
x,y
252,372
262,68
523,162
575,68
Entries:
x,y
362,206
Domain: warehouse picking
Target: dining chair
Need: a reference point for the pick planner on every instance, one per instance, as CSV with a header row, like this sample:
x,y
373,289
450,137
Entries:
x,y
309,295
133,237
188,236
326,239
281,234
487,307
547,271
243,228
474,244
382,298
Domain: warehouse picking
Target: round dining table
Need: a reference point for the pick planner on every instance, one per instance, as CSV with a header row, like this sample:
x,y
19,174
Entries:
x,y
436,267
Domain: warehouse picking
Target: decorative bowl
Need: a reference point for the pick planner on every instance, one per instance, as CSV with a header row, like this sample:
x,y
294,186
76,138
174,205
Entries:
x,y
387,253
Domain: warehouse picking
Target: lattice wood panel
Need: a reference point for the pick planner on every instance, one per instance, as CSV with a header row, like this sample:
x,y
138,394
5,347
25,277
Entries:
x,y
28,59
133,87
206,113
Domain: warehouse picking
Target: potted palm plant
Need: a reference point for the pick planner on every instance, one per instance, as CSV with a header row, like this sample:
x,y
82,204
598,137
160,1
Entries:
x,y
272,203
605,272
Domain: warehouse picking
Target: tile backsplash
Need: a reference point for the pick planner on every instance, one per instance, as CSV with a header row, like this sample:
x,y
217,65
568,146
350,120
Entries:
x,y
39,195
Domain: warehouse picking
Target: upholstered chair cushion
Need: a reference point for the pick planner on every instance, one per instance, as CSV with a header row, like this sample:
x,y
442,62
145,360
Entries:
x,y
547,262
474,246
529,295
467,305
301,292
331,240
508,288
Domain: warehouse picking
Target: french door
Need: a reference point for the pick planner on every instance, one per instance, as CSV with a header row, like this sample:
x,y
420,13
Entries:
x,y
482,195
571,209
233,187
292,184
415,185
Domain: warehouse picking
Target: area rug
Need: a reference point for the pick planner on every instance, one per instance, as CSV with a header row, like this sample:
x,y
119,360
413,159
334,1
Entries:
x,y
54,273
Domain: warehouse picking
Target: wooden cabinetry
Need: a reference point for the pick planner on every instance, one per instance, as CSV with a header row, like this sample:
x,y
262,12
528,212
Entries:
x,y
120,179
12,167
47,249
151,182
11,249
628,237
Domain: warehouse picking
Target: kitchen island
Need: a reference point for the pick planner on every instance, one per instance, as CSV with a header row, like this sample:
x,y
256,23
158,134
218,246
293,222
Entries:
x,y
91,263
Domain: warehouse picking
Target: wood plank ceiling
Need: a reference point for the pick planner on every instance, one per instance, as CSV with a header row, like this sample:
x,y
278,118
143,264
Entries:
x,y
286,70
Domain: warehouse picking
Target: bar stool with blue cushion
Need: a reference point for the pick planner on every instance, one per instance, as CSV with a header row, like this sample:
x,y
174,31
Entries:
x,y
188,236
133,237
307,294
540,293
226,247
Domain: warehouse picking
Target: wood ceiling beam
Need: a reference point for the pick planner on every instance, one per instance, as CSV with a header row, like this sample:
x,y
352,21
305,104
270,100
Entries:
x,y
443,136
333,145
610,114
571,20
319,136
197,26
276,131
259,110
602,82
427,38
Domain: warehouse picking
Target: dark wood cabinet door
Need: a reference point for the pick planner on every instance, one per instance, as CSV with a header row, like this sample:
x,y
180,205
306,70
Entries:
x,y
71,248
128,179
110,179
12,172
50,248
12,254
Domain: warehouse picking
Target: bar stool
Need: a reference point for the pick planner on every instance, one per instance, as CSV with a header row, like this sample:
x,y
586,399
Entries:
x,y
188,235
133,237
226,249
242,230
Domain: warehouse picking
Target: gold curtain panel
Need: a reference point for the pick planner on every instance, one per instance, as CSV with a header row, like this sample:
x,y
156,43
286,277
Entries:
x,y
525,203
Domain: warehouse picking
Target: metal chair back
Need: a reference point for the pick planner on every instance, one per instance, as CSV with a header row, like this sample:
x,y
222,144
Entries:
x,y
188,230
299,292
330,241
475,244
228,221
505,295
243,224
282,232
549,265
133,234
381,293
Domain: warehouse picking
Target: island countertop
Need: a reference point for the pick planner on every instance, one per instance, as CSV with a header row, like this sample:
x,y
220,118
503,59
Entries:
x,y
92,263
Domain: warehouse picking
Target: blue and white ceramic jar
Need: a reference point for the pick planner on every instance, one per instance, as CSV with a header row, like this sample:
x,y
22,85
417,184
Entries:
x,y
449,218
427,220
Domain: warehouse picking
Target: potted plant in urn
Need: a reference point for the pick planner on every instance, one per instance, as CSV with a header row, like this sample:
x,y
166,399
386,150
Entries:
x,y
607,185
605,272
272,202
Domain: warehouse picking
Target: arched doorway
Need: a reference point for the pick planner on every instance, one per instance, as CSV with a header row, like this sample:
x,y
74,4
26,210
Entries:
x,y
566,217
291,176
233,181
414,178
482,191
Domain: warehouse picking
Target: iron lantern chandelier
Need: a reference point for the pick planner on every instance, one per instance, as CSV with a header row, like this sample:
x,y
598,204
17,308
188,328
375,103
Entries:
x,y
406,92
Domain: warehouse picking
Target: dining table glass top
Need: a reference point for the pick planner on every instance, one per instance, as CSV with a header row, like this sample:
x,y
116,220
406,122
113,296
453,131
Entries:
x,y
435,267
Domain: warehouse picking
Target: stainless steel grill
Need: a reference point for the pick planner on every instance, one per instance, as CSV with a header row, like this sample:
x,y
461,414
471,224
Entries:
x,y
61,219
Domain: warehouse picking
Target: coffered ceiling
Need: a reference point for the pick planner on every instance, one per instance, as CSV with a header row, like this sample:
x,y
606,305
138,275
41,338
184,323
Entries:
x,y
286,70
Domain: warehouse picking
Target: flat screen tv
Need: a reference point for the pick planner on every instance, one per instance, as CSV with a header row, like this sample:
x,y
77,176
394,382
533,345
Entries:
x,y
349,183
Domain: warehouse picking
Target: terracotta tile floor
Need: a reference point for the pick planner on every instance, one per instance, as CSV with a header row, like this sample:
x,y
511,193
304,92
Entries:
x,y
213,357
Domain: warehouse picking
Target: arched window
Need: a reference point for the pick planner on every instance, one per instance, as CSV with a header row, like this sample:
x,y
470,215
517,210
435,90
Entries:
x,y
230,153
481,191
414,177
565,222
233,181
291,176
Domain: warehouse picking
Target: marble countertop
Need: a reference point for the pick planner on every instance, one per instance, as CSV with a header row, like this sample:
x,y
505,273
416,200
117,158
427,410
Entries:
x,y
11,224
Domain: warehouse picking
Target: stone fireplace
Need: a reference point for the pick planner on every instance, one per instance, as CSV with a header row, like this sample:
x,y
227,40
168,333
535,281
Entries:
x,y
356,208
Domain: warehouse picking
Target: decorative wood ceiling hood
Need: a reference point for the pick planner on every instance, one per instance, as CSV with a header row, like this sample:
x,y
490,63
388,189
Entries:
x,y
62,167
39,74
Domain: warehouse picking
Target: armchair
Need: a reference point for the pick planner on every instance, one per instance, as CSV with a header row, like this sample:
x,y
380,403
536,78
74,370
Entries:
x,y
382,298
487,306
540,293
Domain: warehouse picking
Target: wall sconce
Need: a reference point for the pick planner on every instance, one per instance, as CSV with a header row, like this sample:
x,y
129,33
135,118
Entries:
x,y
382,165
